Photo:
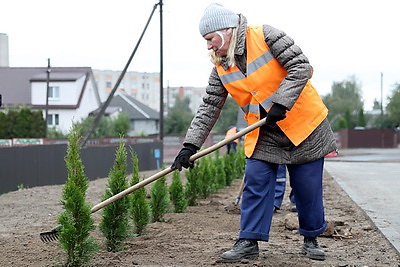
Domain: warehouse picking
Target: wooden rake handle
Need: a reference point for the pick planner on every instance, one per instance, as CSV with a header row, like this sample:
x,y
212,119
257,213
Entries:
x,y
169,170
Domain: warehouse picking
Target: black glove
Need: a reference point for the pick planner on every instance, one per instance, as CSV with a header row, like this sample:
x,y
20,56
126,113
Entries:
x,y
276,113
182,159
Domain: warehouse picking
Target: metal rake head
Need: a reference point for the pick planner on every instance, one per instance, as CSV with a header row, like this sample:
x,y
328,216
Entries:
x,y
50,236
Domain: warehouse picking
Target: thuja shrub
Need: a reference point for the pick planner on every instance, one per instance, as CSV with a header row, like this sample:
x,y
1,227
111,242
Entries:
x,y
240,161
192,189
115,217
229,168
219,171
159,200
177,193
140,207
206,178
76,221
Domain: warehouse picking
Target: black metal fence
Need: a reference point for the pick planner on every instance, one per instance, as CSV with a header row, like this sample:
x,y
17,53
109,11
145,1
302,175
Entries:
x,y
39,165
368,138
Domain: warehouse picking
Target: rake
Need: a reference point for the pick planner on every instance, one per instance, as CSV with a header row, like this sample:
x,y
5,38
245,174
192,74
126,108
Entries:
x,y
54,233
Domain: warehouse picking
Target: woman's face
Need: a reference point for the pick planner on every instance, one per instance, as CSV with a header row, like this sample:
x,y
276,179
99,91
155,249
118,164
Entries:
x,y
219,41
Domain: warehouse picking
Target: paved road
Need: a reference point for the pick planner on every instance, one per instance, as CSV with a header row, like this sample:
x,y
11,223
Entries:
x,y
371,177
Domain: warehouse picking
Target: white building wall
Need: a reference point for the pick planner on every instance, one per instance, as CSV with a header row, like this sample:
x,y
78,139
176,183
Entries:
x,y
4,56
69,95
69,92
143,126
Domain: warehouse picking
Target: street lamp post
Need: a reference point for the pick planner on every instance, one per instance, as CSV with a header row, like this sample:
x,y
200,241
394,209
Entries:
x,y
47,96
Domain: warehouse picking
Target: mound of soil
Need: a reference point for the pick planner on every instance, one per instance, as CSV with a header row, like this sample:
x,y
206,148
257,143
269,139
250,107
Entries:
x,y
196,237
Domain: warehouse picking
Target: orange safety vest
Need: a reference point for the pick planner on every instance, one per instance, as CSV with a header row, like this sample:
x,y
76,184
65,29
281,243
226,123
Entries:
x,y
231,132
264,75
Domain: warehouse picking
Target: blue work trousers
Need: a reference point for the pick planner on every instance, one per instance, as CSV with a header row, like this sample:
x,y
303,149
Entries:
x,y
259,192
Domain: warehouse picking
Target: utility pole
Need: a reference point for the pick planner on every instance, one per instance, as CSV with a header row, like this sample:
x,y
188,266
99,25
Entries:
x,y
121,76
161,74
47,97
381,93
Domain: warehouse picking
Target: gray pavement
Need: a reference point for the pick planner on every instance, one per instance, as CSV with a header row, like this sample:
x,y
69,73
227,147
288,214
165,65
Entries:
x,y
371,177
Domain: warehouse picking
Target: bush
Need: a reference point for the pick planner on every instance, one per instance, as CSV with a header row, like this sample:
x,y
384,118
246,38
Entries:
x,y
76,221
114,224
159,200
177,193
140,208
192,185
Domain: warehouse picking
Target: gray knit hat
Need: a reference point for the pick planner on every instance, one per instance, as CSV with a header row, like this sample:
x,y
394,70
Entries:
x,y
216,17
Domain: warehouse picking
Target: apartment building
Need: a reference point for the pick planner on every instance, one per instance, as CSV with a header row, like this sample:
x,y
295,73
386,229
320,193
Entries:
x,y
145,88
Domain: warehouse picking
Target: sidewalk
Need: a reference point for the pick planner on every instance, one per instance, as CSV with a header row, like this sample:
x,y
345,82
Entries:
x,y
371,177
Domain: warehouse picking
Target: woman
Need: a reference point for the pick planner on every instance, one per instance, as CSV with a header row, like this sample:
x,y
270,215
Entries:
x,y
268,76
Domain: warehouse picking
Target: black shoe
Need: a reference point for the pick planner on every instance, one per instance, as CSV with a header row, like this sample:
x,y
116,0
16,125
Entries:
x,y
293,207
243,249
312,250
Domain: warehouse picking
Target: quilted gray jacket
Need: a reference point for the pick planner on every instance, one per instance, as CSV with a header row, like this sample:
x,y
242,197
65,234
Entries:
x,y
272,145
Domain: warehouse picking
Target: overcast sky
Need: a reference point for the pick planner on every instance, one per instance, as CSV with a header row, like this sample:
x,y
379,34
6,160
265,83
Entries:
x,y
341,38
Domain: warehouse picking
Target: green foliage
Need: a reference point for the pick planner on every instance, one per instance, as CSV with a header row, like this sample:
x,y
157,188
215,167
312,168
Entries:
x,y
179,117
159,200
240,161
192,191
206,182
22,123
383,122
220,176
121,125
349,119
228,116
212,173
140,208
344,96
342,124
76,221
229,167
53,133
114,224
393,106
107,127
4,130
177,193
376,105
361,119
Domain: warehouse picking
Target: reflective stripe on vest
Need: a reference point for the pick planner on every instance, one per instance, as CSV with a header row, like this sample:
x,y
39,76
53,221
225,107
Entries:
x,y
264,75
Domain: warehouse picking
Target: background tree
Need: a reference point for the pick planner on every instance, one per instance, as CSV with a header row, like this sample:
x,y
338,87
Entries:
x,y
121,125
391,118
361,119
393,106
376,105
179,117
107,127
22,123
228,116
37,124
344,96
4,133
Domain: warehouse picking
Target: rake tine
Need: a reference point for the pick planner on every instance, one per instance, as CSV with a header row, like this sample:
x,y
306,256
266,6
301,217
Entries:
x,y
50,236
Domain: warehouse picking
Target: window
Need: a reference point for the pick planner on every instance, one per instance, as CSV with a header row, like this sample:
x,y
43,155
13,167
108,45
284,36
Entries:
x,y
53,120
54,92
